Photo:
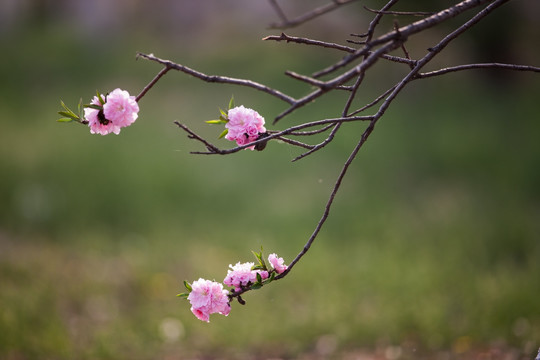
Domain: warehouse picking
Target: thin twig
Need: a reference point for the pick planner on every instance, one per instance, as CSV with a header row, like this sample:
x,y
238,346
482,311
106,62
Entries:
x,y
192,135
152,83
320,145
310,15
374,102
312,132
279,11
294,142
478,66
373,24
306,41
409,13
306,79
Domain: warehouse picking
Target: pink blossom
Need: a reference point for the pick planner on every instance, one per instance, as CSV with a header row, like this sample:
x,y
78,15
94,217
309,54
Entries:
x,y
264,274
208,297
240,275
121,108
97,121
252,130
277,263
244,125
240,139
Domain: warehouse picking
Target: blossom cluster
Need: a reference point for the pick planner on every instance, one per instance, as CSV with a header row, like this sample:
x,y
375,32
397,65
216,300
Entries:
x,y
241,275
209,297
108,115
244,125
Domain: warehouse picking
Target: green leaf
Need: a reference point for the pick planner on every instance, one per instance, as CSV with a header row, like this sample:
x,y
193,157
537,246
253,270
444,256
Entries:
x,y
256,286
68,114
65,120
220,121
68,110
64,105
223,113
270,279
188,285
223,133
231,102
100,98
259,278
257,255
80,106
92,106
262,260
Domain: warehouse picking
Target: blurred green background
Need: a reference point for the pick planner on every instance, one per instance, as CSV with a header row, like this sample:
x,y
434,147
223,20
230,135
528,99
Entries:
x,y
432,246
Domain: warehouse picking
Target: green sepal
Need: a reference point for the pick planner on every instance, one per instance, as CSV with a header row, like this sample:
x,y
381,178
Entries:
x,y
188,286
231,102
225,132
220,121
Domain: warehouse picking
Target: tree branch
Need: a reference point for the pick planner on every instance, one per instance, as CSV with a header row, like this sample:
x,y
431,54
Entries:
x,y
293,130
219,79
404,32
